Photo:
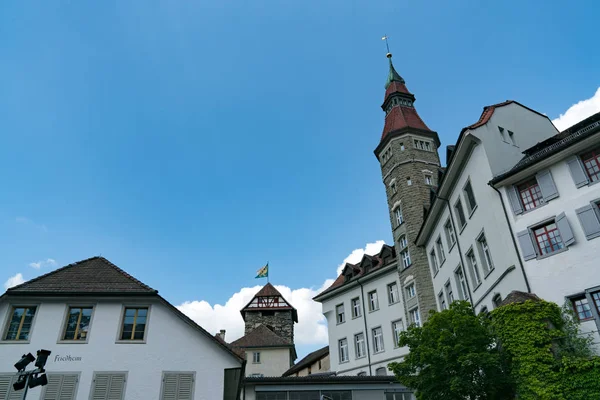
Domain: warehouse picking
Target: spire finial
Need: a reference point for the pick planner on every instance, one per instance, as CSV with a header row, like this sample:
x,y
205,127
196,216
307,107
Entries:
x,y
387,46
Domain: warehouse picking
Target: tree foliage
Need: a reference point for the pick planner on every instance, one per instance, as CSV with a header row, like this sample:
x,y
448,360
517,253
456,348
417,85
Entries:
x,y
453,356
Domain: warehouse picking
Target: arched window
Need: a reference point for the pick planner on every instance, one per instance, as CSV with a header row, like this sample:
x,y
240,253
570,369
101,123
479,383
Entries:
x,y
497,300
362,373
381,371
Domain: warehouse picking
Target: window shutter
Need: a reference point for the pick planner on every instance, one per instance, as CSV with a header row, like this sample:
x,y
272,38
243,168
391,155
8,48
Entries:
x,y
52,389
100,387
515,201
185,390
527,249
588,218
117,387
547,186
177,386
5,385
68,389
577,173
562,223
12,394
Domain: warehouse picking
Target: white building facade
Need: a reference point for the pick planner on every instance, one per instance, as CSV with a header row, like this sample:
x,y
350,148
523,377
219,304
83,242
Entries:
x,y
111,337
471,253
365,315
552,199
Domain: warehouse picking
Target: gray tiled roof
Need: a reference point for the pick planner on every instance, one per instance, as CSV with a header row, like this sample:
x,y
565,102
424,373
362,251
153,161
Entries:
x,y
95,275
310,359
261,336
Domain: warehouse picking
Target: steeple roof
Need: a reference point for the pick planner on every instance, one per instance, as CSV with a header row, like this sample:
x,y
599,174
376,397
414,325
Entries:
x,y
269,299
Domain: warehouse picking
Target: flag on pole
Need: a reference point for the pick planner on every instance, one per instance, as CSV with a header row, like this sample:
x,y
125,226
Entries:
x,y
263,272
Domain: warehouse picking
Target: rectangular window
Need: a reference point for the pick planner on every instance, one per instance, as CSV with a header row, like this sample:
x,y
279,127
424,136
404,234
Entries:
x,y
415,317
591,162
359,345
442,301
427,146
449,234
305,395
449,292
175,385
60,387
582,308
473,268
399,216
405,258
377,340
433,260
428,180
355,307
393,187
343,349
485,254
399,396
78,323
397,328
408,181
530,194
547,238
440,249
337,394
341,316
19,324
111,386
271,395
403,242
401,146
470,196
410,291
460,213
462,284
256,357
393,296
134,323
373,302
596,298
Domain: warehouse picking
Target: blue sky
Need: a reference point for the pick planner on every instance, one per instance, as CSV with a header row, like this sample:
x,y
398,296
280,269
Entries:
x,y
190,142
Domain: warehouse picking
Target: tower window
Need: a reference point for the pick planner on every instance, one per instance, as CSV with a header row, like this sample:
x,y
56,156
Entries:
x,y
401,146
408,181
428,180
399,216
393,187
427,146
405,258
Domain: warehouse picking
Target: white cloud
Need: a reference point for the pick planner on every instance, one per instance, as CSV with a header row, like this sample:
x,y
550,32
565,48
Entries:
x,y
49,262
27,221
357,254
14,281
311,328
578,112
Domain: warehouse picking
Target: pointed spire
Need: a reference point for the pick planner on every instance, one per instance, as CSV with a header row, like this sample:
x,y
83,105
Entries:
x,y
393,76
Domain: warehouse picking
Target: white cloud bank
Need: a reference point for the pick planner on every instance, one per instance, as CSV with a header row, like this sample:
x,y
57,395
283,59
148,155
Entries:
x,y
14,281
311,328
578,112
49,262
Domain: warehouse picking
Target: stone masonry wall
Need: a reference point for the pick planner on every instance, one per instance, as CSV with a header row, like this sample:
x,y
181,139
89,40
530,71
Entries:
x,y
281,323
412,162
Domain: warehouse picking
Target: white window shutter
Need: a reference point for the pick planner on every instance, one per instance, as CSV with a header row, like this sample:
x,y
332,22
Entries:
x,y
577,173
12,394
186,387
169,390
515,201
100,387
547,186
52,389
117,387
108,386
527,249
68,389
566,234
177,386
588,218
5,385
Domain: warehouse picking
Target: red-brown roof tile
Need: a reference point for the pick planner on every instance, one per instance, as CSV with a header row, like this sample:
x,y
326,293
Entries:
x,y
402,117
396,86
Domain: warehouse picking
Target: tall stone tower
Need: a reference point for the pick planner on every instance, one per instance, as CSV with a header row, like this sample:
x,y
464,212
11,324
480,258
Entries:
x,y
410,163
269,308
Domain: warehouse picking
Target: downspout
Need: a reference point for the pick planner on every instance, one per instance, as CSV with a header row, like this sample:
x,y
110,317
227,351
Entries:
x,y
512,236
364,313
460,253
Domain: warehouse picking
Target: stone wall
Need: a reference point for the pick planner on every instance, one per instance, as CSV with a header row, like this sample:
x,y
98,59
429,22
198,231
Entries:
x,y
415,164
280,322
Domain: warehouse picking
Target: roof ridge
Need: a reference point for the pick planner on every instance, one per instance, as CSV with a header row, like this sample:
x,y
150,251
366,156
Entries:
x,y
126,274
37,278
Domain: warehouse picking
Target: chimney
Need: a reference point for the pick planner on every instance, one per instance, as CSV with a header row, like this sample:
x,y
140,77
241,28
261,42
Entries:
x,y
221,334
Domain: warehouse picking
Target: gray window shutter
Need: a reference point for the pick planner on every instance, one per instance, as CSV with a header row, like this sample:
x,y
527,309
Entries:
x,y
60,387
515,201
588,217
178,386
52,389
577,173
185,390
108,386
5,385
547,186
68,389
116,389
100,387
566,234
527,249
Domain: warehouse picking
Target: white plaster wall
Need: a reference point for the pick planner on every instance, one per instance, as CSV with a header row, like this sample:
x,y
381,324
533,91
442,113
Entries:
x,y
528,127
383,317
273,362
570,272
489,217
314,368
171,345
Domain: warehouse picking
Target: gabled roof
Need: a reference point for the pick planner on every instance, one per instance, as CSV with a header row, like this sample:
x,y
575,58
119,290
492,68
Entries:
x,y
269,291
488,111
95,275
377,261
309,360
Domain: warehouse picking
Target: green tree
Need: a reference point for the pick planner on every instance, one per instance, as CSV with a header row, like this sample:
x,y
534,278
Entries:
x,y
454,356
